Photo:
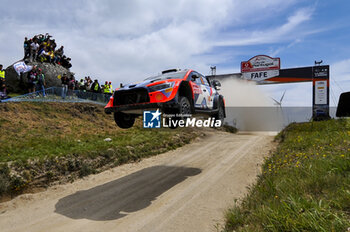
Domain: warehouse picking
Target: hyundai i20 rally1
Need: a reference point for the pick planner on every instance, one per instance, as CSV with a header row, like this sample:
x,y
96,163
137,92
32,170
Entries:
x,y
176,92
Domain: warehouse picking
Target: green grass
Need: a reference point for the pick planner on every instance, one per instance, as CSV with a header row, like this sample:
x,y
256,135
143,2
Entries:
x,y
39,130
304,185
52,140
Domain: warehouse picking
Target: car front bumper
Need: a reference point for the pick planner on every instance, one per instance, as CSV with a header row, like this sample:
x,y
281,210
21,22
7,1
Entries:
x,y
139,108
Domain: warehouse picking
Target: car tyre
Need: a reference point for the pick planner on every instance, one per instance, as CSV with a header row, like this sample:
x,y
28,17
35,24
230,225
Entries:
x,y
185,106
221,113
124,120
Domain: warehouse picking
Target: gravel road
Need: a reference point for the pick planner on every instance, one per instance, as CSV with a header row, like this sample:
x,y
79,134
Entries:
x,y
187,189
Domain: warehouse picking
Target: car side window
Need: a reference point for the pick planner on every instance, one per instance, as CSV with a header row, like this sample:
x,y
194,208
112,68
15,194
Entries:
x,y
205,81
196,78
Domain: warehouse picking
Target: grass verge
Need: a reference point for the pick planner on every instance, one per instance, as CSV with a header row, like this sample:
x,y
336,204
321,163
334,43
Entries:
x,y
42,143
304,185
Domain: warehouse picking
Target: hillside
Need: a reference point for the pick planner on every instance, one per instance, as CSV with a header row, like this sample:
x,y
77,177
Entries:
x,y
42,143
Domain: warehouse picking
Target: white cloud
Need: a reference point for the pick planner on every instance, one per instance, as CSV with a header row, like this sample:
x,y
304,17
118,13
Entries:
x,y
339,79
125,41
285,32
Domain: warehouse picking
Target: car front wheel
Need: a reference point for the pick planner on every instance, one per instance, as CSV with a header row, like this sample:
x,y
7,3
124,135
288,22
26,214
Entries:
x,y
124,120
185,106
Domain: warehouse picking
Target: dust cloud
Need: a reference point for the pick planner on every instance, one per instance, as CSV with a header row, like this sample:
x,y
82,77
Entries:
x,y
248,108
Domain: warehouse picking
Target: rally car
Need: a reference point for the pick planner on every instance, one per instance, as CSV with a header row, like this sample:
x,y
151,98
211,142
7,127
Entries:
x,y
174,91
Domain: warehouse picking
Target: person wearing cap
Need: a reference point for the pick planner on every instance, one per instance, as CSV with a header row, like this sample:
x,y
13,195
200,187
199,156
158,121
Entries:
x,y
110,88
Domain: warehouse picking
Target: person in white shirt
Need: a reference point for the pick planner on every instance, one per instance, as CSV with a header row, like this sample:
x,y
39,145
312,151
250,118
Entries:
x,y
34,46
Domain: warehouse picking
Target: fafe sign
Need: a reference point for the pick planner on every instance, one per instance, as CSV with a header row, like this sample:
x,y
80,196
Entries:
x,y
260,68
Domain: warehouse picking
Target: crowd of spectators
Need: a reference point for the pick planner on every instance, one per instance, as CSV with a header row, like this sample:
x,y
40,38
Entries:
x,y
69,84
42,48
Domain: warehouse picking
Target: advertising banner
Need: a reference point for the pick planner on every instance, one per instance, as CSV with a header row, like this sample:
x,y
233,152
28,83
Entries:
x,y
261,75
260,63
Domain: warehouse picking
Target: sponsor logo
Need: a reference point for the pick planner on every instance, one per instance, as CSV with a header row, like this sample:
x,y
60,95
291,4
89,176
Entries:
x,y
260,63
151,119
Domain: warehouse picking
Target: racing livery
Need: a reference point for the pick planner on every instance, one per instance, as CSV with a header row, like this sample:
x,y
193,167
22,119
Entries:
x,y
184,92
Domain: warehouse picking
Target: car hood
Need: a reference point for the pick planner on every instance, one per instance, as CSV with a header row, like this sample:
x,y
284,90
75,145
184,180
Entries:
x,y
140,84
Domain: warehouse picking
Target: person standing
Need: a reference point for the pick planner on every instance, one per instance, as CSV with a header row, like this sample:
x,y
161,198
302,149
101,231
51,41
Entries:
x,y
81,84
41,82
31,81
71,87
26,46
2,75
34,46
110,88
65,82
2,83
95,87
105,88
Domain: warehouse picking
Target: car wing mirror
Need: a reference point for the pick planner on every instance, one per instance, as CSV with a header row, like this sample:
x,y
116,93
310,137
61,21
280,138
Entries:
x,y
216,84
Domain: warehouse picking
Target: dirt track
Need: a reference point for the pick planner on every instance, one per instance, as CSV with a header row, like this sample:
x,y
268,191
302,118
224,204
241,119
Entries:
x,y
184,190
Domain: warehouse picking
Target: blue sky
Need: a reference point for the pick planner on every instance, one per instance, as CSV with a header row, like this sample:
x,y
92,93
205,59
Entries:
x,y
124,41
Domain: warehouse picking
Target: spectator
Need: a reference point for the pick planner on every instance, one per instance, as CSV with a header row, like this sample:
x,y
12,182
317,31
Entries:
x,y
110,88
53,44
81,84
71,85
77,85
3,92
105,88
40,82
52,56
95,87
45,56
20,68
2,75
65,62
65,82
26,47
34,47
47,37
58,55
31,81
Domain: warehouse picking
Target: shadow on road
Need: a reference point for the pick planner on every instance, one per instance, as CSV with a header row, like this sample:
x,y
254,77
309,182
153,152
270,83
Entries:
x,y
128,194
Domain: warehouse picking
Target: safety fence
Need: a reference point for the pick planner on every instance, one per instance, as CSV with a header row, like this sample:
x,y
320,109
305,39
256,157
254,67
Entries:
x,y
59,94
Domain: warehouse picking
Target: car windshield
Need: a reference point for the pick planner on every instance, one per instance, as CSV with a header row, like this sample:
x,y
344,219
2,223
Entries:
x,y
172,75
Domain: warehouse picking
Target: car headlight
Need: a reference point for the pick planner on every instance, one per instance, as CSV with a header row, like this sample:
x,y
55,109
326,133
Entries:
x,y
161,86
